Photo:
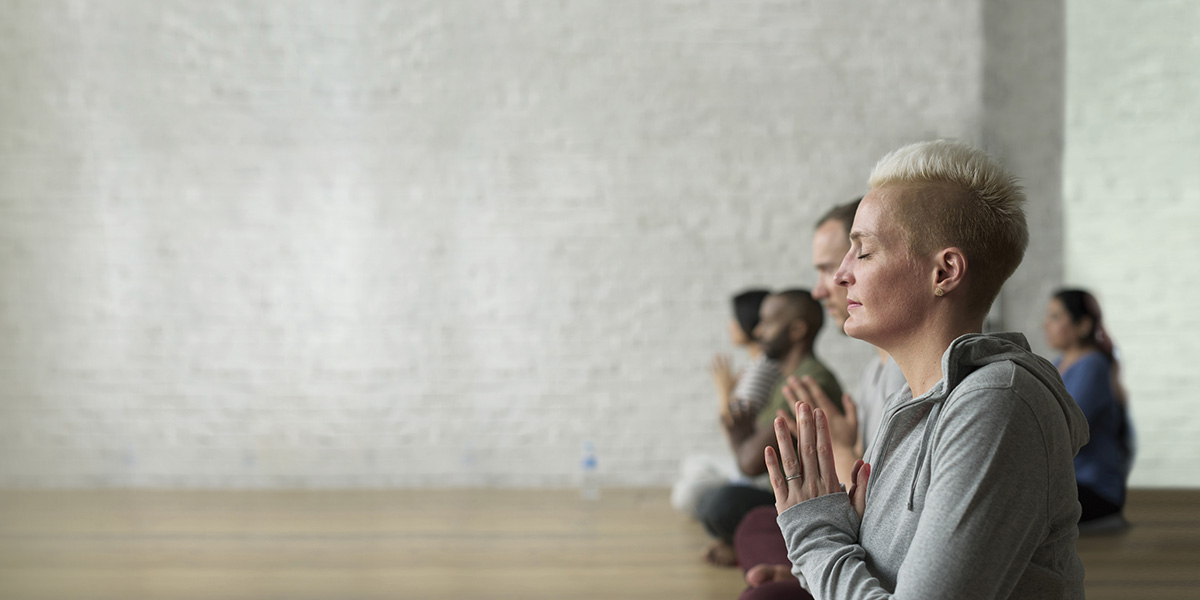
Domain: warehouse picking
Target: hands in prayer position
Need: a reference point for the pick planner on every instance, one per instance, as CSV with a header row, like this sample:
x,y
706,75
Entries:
x,y
724,380
809,471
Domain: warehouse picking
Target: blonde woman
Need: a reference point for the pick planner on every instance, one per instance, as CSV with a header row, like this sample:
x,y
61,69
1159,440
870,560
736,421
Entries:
x,y
971,490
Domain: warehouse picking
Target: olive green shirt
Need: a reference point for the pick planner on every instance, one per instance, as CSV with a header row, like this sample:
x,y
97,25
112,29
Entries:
x,y
809,366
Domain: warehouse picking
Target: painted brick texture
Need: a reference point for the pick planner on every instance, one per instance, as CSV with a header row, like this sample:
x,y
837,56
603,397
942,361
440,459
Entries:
x,y
1131,204
285,244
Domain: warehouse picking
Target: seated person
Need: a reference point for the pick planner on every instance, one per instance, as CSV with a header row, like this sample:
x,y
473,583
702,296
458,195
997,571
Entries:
x,y
749,392
758,542
971,483
1089,370
788,324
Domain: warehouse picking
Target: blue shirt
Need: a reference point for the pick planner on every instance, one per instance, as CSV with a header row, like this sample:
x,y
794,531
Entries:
x,y
1101,464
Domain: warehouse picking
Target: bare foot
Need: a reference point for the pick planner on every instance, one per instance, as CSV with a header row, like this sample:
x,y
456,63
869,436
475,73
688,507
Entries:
x,y
764,573
720,554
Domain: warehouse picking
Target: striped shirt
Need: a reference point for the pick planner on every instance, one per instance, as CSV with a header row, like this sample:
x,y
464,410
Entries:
x,y
754,387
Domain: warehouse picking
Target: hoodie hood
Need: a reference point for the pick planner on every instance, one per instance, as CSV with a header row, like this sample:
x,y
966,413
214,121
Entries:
x,y
974,350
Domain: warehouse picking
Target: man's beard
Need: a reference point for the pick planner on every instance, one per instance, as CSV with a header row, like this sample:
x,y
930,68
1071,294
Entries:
x,y
778,347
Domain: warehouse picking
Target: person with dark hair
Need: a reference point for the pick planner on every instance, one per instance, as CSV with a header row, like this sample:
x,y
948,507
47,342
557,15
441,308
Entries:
x,y
788,325
744,392
758,542
750,391
746,306
1073,326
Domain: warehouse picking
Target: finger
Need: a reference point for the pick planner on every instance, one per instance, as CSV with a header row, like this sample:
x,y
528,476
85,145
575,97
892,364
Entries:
x,y
853,484
787,455
850,409
788,420
819,399
858,492
795,392
807,449
719,363
789,390
828,481
778,484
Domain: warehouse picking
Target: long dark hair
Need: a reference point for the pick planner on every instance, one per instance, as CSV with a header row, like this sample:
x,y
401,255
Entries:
x,y
745,309
1081,304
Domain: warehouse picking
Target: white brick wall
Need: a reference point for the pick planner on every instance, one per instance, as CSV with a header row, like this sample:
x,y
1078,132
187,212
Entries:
x,y
1023,100
1132,207
432,243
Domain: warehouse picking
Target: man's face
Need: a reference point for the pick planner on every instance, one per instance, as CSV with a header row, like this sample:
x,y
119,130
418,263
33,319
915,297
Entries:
x,y
830,245
774,328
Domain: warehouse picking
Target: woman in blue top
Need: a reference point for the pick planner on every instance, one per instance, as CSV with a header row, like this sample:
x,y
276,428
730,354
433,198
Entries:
x,y
1089,370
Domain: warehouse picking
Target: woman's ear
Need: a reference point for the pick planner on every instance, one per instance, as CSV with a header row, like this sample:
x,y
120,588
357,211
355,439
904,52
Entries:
x,y
1083,329
951,270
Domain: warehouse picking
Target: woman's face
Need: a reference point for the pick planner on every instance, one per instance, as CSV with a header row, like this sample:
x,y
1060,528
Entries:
x,y
888,291
1061,333
736,335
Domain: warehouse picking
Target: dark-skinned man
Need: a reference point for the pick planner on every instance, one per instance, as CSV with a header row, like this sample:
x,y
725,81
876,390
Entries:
x,y
789,323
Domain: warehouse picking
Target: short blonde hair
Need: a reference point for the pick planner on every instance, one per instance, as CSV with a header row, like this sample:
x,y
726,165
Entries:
x,y
959,196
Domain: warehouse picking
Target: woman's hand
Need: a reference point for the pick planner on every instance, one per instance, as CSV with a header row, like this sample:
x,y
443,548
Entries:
x,y
843,428
722,374
724,381
809,471
858,490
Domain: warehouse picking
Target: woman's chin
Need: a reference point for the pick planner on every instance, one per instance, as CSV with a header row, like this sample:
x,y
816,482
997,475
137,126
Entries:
x,y
853,330
861,331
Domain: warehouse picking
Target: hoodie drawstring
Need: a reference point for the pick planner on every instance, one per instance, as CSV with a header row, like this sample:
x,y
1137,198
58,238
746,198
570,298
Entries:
x,y
930,424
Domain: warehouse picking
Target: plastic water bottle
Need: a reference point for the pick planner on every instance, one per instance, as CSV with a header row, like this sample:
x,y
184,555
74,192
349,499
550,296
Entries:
x,y
589,483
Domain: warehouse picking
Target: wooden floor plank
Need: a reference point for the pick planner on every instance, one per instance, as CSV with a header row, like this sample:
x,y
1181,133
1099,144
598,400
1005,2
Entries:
x,y
442,544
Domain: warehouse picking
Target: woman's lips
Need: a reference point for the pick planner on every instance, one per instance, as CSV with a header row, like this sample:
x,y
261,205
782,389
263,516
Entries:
x,y
852,304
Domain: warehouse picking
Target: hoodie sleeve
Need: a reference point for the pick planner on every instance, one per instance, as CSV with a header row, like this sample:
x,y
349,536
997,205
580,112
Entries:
x,y
983,514
822,542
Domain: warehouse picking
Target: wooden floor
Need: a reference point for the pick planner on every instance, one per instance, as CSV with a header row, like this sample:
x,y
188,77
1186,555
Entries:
x,y
448,544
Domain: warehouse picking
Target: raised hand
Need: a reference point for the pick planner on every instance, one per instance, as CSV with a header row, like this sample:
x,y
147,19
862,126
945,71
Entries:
x,y
809,471
843,428
724,381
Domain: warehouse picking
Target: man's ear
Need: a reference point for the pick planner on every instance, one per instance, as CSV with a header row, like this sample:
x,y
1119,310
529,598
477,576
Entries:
x,y
950,271
797,330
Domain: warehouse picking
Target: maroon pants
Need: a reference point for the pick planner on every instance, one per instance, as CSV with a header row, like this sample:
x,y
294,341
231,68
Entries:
x,y
758,541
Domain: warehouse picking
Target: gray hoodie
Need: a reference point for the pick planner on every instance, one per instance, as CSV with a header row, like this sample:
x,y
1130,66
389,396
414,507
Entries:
x,y
972,490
